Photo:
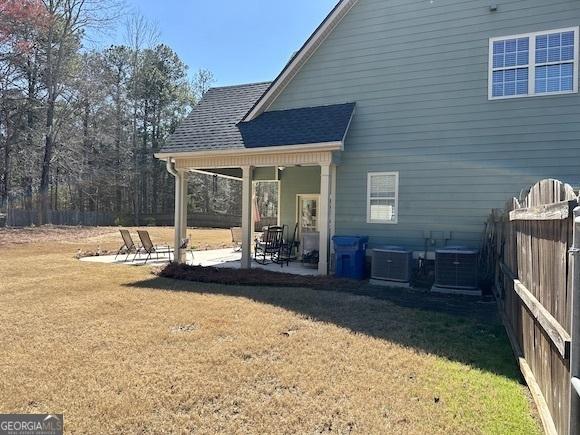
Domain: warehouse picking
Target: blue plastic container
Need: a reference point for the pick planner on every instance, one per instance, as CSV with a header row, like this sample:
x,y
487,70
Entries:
x,y
350,256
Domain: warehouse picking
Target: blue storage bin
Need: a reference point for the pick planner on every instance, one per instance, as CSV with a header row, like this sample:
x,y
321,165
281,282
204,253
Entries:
x,y
350,256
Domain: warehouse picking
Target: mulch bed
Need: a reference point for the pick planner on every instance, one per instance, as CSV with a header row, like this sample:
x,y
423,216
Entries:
x,y
254,277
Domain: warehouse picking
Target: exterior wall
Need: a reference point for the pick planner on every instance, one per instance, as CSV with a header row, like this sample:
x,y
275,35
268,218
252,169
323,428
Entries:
x,y
264,174
293,181
418,72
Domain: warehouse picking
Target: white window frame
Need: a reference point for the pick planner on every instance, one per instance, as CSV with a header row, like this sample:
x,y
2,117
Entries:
x,y
396,214
532,64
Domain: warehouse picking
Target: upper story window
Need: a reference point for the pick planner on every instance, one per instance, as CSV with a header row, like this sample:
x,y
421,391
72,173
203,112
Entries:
x,y
534,64
382,197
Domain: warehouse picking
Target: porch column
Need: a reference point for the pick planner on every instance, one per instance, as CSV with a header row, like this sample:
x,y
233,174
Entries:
x,y
247,217
323,216
183,222
178,215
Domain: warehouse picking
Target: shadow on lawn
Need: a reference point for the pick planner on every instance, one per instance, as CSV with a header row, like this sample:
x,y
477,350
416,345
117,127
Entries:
x,y
457,328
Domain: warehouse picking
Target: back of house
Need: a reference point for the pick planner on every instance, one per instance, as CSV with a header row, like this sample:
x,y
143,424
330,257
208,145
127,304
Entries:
x,y
459,106
452,107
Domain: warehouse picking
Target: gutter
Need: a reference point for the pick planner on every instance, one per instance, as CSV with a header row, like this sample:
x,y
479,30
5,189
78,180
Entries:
x,y
170,166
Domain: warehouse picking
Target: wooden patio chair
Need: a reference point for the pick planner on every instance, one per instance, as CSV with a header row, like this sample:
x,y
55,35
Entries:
x,y
269,246
237,238
128,244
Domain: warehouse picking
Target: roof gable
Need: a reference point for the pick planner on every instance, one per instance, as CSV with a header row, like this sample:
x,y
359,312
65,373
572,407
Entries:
x,y
300,58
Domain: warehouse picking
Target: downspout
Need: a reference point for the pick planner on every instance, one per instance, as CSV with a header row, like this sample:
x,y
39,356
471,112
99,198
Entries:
x,y
574,428
170,166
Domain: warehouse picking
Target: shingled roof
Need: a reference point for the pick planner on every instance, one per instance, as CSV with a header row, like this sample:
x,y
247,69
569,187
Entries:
x,y
308,125
211,125
214,124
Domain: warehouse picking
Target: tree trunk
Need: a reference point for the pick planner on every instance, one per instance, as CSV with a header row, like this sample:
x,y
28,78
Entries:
x,y
6,170
143,166
118,133
44,203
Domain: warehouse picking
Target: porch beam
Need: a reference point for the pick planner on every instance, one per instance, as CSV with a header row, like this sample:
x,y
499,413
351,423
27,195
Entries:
x,y
324,215
241,160
247,217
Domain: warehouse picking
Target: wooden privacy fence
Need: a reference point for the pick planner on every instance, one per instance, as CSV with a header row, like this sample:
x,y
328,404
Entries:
x,y
194,219
532,241
25,218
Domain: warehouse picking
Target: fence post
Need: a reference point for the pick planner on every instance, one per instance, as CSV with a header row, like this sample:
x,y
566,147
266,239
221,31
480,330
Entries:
x,y
575,330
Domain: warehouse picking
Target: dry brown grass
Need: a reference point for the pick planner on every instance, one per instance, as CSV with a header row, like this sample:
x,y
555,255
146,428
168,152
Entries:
x,y
118,350
108,238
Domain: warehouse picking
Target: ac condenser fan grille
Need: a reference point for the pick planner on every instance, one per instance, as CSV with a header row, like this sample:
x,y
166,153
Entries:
x,y
392,265
456,269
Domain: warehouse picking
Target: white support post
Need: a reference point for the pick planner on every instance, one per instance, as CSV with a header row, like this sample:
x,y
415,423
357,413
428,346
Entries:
x,y
178,215
332,208
247,221
323,216
183,222
574,428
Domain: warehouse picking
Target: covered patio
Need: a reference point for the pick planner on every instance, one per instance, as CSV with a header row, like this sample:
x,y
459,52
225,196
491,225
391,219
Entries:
x,y
301,176
298,148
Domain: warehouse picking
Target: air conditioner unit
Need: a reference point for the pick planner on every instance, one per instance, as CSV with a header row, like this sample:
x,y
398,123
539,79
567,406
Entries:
x,y
391,264
456,271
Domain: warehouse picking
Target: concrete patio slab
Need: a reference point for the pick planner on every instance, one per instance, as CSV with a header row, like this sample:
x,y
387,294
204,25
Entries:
x,y
226,258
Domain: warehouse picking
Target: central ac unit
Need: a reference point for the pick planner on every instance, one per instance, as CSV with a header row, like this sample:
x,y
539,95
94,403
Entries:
x,y
391,264
456,270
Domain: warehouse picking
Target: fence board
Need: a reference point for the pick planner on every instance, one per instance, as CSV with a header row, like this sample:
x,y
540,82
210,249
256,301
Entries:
x,y
533,269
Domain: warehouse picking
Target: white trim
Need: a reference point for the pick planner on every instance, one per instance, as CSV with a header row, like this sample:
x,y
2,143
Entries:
x,y
384,222
315,196
532,64
322,146
307,50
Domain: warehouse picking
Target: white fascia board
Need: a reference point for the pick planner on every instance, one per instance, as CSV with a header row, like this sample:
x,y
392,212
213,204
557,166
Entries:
x,y
324,146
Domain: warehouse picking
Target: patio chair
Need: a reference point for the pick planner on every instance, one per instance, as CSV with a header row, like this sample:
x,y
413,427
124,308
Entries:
x,y
237,238
287,250
269,246
128,244
149,248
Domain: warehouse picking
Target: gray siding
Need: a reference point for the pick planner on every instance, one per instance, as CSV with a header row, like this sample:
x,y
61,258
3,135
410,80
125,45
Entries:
x,y
418,72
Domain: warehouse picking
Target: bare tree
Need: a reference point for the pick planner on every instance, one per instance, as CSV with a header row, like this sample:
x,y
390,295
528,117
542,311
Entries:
x,y
201,82
69,18
139,34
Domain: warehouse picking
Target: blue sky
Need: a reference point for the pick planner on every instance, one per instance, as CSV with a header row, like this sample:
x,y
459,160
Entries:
x,y
239,41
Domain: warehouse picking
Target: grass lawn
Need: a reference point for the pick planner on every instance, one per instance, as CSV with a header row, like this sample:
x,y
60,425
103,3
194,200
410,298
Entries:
x,y
119,350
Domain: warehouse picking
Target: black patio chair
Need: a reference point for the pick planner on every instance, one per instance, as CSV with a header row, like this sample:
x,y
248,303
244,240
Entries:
x,y
287,250
128,244
269,246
